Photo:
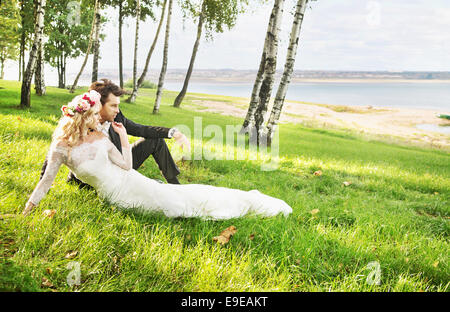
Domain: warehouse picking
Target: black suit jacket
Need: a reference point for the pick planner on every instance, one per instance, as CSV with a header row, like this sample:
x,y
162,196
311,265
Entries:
x,y
137,130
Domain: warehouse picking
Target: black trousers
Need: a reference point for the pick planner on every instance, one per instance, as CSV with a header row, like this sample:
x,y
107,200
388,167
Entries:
x,y
141,150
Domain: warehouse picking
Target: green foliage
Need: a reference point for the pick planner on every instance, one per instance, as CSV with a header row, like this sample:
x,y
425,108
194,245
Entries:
x,y
217,14
395,212
66,37
129,7
9,30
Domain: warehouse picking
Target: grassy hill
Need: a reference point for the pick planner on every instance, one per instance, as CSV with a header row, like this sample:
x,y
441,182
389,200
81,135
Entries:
x,y
395,212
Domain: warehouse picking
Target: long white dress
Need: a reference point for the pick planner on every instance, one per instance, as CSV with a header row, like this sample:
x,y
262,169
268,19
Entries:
x,y
102,166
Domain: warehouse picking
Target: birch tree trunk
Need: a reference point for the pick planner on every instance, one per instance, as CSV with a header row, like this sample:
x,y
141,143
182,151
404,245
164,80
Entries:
x,y
74,85
22,42
269,73
31,66
250,117
120,45
288,69
136,40
39,81
2,72
96,47
164,65
141,79
183,91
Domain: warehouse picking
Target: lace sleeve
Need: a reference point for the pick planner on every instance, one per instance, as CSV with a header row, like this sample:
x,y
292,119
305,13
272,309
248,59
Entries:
x,y
56,158
124,160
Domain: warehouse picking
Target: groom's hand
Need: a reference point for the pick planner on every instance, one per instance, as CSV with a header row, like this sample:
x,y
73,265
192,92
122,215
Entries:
x,y
182,140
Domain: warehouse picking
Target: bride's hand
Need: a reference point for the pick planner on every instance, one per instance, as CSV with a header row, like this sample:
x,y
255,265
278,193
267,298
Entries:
x,y
119,128
28,208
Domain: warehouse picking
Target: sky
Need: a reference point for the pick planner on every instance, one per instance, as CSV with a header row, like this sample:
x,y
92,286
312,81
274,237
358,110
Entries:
x,y
360,35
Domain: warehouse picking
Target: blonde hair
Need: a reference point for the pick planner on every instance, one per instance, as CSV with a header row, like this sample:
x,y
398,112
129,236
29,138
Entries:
x,y
74,129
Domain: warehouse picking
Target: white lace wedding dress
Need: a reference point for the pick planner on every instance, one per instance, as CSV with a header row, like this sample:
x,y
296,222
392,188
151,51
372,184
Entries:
x,y
102,166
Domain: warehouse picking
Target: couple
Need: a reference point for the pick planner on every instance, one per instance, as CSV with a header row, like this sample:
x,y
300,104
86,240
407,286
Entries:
x,y
91,139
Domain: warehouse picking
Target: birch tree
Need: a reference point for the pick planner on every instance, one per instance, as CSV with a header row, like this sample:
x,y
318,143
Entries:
x,y
31,66
269,70
141,79
213,16
96,44
164,64
88,50
39,81
288,69
136,40
250,118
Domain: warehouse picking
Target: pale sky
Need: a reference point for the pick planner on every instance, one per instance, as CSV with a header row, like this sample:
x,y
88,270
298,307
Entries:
x,y
394,35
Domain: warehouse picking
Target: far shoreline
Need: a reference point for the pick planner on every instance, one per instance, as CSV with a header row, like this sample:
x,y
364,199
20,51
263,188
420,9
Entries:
x,y
315,80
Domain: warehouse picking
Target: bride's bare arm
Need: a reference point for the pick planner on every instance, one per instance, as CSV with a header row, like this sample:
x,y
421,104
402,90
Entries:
x,y
55,160
124,160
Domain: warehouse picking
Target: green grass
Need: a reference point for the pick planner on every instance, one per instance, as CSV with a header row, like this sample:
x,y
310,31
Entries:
x,y
395,212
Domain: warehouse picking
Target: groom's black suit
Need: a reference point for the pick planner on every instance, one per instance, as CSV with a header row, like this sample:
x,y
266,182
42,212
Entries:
x,y
152,143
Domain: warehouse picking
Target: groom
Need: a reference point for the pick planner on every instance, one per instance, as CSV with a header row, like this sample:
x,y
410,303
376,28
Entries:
x,y
152,138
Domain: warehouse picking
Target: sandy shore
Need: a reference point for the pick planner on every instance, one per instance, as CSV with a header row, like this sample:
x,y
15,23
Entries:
x,y
387,124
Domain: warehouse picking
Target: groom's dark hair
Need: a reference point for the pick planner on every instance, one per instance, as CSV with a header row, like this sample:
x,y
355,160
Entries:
x,y
105,87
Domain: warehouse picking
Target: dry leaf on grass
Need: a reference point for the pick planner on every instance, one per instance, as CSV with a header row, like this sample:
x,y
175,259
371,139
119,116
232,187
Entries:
x,y
225,236
46,283
314,211
318,173
252,236
49,213
436,264
71,255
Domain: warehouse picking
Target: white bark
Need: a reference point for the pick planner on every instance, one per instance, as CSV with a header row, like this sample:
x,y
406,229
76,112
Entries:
x,y
28,74
288,69
74,85
250,118
136,41
164,65
141,79
270,70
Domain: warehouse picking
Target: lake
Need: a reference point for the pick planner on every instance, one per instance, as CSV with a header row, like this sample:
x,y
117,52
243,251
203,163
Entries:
x,y
425,95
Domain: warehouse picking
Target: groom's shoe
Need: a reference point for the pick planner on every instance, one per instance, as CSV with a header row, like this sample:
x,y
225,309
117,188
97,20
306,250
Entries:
x,y
72,179
173,180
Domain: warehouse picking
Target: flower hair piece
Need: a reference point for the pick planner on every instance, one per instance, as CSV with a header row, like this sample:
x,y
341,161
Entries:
x,y
81,103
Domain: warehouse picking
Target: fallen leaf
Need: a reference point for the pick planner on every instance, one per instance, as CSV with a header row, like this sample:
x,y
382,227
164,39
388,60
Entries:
x,y
318,173
71,255
49,213
19,119
225,236
436,264
314,211
346,183
49,270
46,283
252,236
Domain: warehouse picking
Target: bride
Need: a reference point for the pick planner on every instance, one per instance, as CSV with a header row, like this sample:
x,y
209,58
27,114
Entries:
x,y
96,161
